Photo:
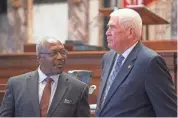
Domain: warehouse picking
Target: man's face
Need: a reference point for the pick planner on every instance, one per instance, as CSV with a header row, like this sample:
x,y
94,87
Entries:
x,y
52,58
116,37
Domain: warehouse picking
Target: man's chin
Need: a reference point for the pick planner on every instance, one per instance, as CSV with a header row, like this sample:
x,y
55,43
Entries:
x,y
57,71
109,46
60,70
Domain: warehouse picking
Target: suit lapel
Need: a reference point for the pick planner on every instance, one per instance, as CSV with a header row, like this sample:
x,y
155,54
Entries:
x,y
32,86
108,69
124,71
59,93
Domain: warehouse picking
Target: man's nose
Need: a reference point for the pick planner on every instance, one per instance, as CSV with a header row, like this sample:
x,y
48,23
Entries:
x,y
108,32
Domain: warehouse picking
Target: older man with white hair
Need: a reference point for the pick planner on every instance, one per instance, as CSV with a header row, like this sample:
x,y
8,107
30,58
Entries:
x,y
47,91
135,80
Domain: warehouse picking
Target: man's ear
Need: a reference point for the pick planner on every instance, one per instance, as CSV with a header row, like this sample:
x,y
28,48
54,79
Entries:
x,y
38,58
131,33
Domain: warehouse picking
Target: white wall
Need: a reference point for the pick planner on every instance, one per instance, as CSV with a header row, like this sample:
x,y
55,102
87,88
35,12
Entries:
x,y
52,20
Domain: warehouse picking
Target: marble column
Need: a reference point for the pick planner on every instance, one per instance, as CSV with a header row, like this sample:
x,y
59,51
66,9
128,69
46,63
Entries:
x,y
174,20
162,8
78,20
13,25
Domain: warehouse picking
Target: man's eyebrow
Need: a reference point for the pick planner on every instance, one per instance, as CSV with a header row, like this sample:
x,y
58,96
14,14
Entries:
x,y
110,25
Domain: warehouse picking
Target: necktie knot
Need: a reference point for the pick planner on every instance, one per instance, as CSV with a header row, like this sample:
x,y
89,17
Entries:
x,y
49,80
120,59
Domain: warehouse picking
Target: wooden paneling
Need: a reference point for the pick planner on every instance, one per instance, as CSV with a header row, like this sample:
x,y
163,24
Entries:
x,y
12,65
32,47
159,45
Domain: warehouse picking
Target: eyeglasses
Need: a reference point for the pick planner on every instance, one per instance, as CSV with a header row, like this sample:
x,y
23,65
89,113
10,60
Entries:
x,y
54,53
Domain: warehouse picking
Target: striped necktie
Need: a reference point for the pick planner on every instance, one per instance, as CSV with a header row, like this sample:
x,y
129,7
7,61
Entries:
x,y
113,76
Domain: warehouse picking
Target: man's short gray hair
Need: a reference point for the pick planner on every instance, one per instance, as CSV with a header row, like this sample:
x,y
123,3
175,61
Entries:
x,y
40,45
129,18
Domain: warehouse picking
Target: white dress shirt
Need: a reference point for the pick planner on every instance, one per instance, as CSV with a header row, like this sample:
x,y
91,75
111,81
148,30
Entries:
x,y
42,84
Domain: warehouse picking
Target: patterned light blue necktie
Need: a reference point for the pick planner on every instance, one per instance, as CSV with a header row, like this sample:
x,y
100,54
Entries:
x,y
113,76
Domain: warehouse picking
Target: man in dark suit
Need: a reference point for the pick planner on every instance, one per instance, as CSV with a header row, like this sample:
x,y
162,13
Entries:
x,y
135,80
47,91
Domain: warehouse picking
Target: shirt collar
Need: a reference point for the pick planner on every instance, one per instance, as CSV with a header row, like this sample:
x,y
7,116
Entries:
x,y
42,76
127,52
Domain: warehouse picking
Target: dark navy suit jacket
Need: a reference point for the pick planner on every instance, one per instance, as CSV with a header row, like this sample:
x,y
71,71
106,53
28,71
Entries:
x,y
142,88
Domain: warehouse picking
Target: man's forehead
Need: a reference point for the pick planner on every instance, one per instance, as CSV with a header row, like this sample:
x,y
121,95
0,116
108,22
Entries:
x,y
51,45
113,21
47,43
